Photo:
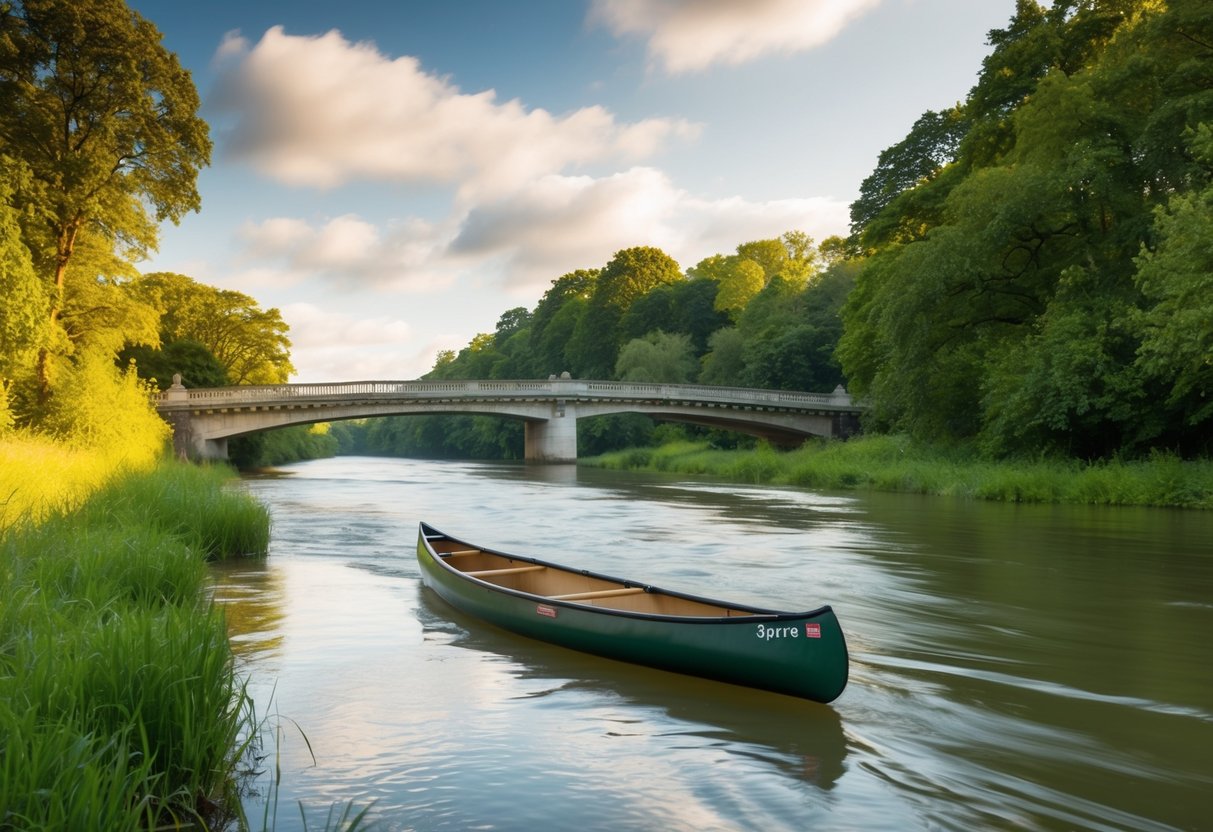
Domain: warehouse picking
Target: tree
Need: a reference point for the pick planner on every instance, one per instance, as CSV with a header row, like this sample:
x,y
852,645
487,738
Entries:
x,y
931,144
196,365
723,364
739,284
250,342
658,357
632,273
105,119
510,322
1176,350
23,314
1000,298
555,318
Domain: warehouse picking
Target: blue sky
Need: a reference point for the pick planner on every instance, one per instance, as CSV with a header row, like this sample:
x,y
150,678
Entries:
x,y
394,175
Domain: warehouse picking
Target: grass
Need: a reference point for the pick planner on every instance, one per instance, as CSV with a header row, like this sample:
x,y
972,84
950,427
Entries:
x,y
896,463
39,477
119,705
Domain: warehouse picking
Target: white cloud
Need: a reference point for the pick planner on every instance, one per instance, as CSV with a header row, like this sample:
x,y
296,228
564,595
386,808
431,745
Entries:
x,y
347,250
564,223
690,35
322,111
312,326
521,243
233,45
328,346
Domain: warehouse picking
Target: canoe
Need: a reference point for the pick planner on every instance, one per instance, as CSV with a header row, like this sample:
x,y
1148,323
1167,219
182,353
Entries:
x,y
800,654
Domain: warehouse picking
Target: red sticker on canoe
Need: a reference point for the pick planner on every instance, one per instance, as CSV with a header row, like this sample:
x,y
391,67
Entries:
x,y
812,630
545,610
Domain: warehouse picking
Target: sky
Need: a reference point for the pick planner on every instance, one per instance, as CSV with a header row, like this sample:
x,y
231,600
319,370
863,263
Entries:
x,y
393,176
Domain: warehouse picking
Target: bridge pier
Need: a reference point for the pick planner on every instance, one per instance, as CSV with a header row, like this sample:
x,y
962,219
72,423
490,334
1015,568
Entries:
x,y
553,440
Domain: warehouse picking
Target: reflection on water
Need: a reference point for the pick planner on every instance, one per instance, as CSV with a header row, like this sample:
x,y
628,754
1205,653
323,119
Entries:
x,y
252,599
805,741
1012,667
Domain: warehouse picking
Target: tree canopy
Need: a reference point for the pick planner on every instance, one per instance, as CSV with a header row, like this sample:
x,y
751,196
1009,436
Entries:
x,y
1026,256
100,121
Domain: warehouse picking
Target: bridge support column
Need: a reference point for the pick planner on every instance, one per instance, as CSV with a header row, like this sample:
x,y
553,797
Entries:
x,y
212,448
553,440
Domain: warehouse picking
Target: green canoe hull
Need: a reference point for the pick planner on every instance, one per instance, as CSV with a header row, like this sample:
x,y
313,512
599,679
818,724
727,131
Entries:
x,y
798,654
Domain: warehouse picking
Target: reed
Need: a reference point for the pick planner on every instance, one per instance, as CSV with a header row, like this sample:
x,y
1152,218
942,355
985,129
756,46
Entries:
x,y
896,463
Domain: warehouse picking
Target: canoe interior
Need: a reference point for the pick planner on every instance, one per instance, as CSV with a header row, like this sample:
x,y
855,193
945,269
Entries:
x,y
570,586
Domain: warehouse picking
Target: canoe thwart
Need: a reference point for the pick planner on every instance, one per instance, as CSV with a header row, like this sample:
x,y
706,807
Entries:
x,y
510,570
461,553
600,593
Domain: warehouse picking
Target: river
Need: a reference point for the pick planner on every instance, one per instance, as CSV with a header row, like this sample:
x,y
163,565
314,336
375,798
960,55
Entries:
x,y
1012,667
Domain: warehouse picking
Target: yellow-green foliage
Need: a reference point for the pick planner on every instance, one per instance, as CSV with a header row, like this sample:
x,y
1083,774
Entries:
x,y
95,405
39,476
99,422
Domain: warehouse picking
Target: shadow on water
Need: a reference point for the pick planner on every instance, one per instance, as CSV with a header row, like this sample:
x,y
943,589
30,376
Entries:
x,y
803,739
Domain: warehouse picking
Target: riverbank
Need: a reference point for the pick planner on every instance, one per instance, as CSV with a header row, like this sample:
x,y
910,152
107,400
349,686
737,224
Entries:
x,y
119,703
896,463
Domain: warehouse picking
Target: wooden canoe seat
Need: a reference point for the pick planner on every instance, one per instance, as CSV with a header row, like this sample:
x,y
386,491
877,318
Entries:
x,y
599,593
509,570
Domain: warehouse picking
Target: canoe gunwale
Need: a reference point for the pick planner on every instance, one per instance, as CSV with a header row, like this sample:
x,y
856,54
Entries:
x,y
754,614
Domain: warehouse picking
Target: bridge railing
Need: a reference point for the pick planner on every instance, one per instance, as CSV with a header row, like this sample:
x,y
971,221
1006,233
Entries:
x,y
177,397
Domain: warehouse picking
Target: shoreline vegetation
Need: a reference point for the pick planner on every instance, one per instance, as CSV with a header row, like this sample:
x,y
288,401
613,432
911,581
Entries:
x,y
899,464
120,706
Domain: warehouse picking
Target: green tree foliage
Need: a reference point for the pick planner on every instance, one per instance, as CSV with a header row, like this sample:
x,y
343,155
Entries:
x,y
724,363
25,310
275,447
739,283
104,119
930,146
249,342
788,333
1176,277
658,357
1018,291
196,365
632,273
555,319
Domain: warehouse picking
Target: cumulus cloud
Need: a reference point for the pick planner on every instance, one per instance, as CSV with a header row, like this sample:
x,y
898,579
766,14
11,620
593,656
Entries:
x,y
521,243
405,255
322,111
691,35
312,326
563,223
328,345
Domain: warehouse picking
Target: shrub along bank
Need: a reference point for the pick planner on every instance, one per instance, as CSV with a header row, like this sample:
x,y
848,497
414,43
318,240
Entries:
x,y
896,463
119,705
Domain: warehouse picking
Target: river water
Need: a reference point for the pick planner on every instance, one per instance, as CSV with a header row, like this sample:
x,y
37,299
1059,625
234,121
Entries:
x,y
1012,667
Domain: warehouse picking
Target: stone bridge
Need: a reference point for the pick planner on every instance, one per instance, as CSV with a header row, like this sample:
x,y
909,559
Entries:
x,y
204,419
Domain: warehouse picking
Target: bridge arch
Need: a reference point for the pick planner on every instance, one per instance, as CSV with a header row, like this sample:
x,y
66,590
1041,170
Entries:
x,y
203,420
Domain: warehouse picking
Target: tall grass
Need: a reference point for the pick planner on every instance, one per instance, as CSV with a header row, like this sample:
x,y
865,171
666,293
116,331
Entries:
x,y
896,463
194,503
39,477
119,706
